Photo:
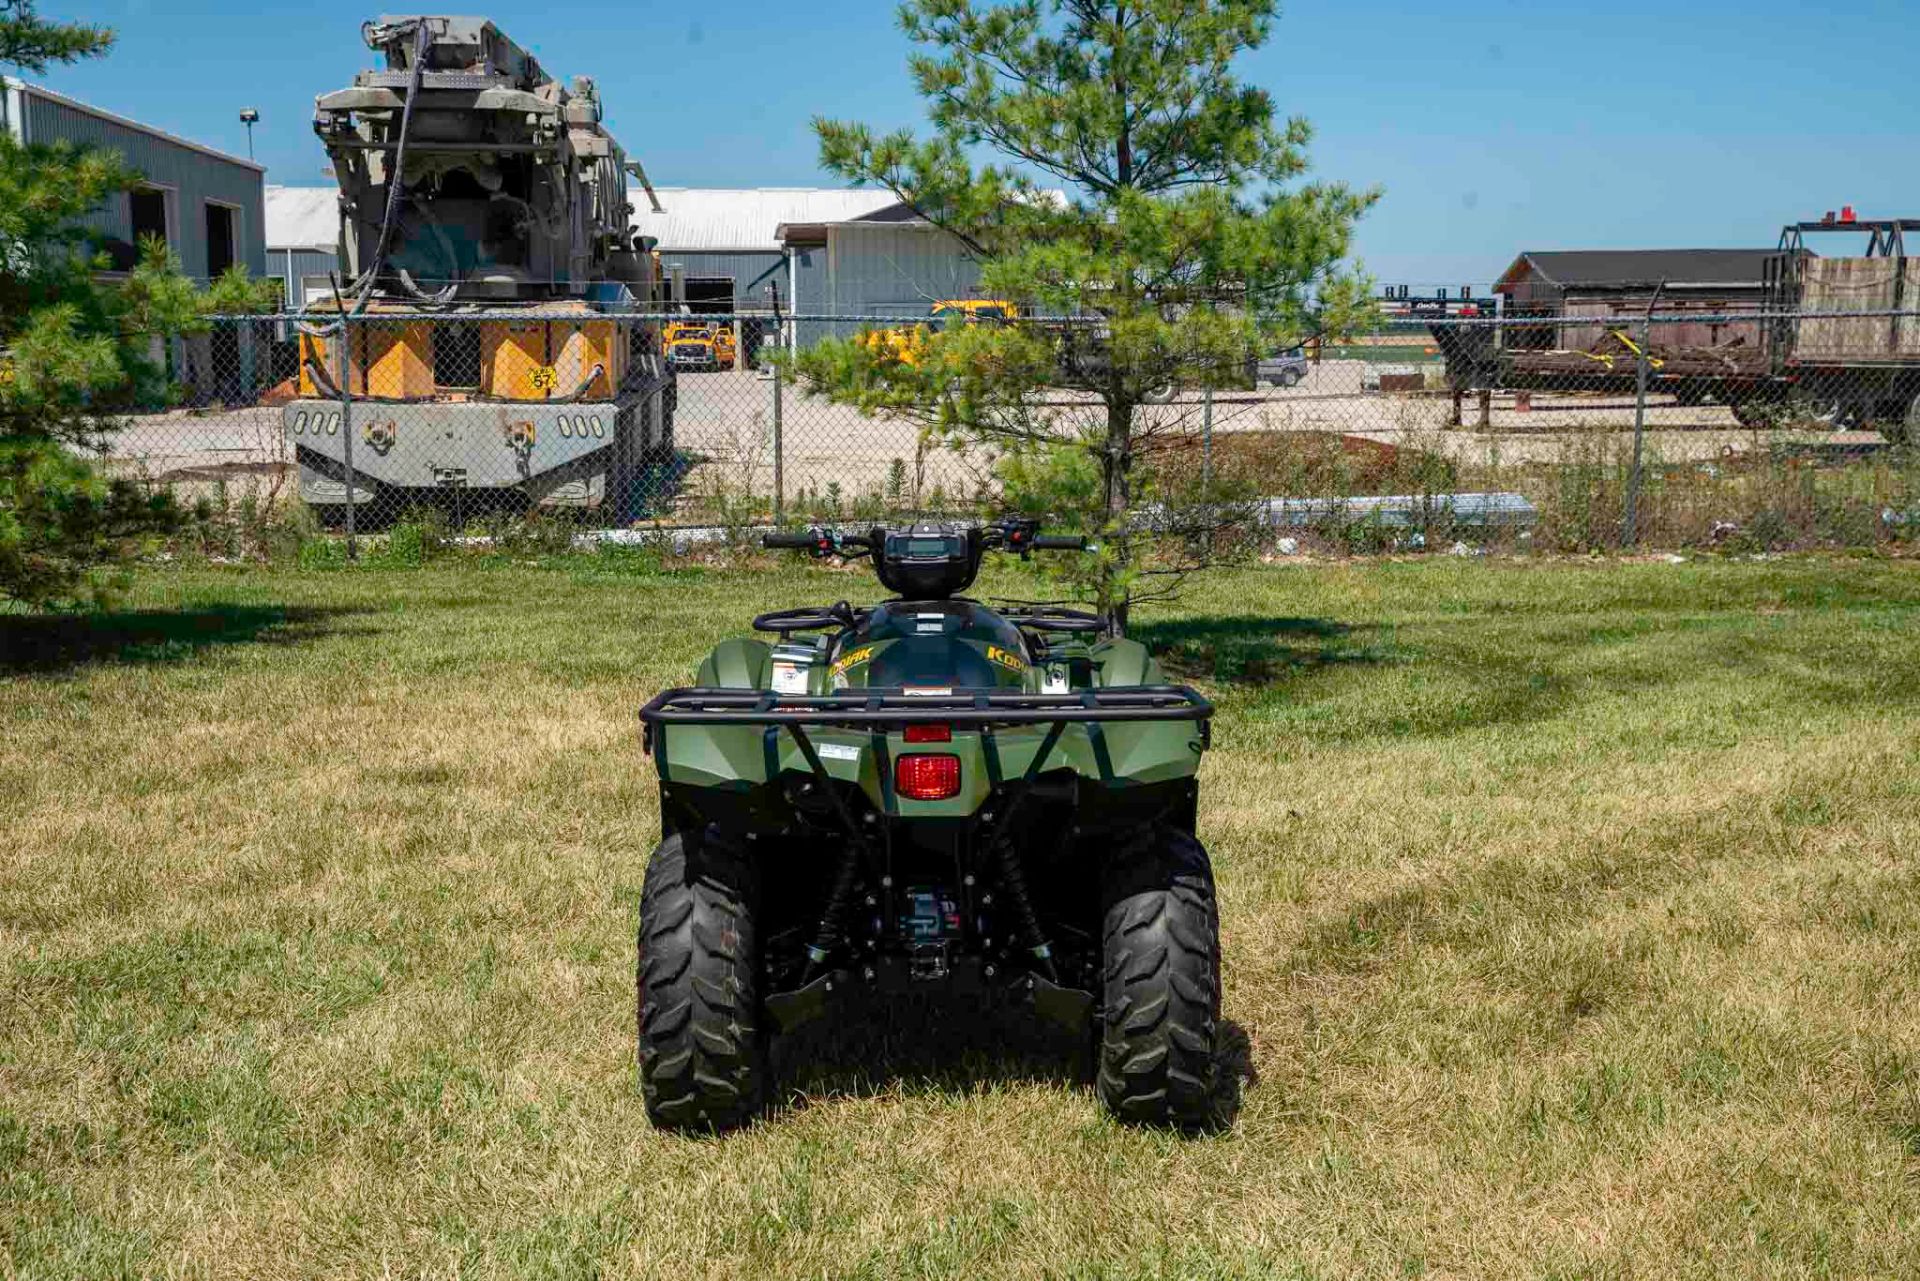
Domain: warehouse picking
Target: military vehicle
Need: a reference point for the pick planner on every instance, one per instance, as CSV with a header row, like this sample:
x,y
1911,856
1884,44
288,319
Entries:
x,y
927,791
487,252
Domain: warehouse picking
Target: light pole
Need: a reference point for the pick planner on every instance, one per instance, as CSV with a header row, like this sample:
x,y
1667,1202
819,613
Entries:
x,y
249,117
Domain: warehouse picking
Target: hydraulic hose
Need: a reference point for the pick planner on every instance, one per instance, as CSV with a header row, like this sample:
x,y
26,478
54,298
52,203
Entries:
x,y
438,298
322,380
396,171
593,376
363,287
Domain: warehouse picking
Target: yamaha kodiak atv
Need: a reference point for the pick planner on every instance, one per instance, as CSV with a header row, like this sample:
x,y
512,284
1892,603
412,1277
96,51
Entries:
x,y
927,791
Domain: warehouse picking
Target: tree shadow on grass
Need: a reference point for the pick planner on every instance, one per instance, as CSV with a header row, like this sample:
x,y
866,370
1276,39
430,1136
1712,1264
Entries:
x,y
55,643
1255,650
953,1044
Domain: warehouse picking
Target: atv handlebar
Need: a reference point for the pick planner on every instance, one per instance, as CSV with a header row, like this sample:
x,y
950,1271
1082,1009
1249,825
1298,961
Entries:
x,y
799,542
1010,535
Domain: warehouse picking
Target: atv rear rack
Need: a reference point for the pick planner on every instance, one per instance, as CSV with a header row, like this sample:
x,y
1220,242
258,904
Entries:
x,y
878,710
968,707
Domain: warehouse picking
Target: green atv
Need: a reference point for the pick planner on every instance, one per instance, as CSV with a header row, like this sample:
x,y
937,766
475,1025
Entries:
x,y
927,791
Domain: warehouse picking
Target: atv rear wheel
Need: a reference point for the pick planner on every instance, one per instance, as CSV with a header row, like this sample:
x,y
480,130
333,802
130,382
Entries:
x,y
1160,1003
703,1059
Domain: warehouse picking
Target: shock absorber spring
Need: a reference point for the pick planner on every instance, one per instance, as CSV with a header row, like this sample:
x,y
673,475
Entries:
x,y
839,897
1013,877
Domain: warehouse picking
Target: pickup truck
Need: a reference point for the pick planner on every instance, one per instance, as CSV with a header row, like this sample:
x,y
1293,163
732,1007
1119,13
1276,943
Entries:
x,y
1284,369
698,345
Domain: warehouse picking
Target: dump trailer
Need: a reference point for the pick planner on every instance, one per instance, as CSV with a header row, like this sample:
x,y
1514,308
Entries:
x,y
476,346
1859,370
1839,343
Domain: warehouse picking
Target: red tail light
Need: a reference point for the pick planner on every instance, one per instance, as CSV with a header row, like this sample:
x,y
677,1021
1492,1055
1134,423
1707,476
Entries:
x,y
929,734
927,776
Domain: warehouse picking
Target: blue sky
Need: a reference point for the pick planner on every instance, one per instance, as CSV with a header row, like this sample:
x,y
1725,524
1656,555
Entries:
x,y
1492,127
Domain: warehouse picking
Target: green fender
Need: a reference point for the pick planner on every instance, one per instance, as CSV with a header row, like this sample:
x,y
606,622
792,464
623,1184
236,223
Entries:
x,y
1145,752
1125,662
736,664
723,755
1115,753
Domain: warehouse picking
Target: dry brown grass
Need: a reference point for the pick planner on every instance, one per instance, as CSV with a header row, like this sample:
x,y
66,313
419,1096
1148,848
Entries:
x,y
1571,922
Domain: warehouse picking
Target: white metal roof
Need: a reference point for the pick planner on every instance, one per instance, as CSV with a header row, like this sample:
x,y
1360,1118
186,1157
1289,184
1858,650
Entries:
x,y
303,218
717,220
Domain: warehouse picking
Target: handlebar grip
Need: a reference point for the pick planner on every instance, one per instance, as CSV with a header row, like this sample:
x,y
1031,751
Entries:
x,y
1059,543
799,542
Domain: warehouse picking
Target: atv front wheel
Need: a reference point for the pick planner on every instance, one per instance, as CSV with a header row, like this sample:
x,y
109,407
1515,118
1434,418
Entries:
x,y
1160,1004
703,1060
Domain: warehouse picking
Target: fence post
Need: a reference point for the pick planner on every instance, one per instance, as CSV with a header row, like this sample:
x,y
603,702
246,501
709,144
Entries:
x,y
346,411
346,440
1206,445
779,453
774,368
1630,530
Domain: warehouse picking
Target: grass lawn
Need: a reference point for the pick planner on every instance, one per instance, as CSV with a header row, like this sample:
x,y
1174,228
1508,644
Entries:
x,y
1571,918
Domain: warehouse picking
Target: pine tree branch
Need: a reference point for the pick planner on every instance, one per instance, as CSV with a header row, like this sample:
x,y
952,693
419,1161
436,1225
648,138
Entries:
x,y
33,43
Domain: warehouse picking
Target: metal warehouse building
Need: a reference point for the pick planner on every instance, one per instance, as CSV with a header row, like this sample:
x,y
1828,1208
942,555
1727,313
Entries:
x,y
831,251
726,243
303,238
206,204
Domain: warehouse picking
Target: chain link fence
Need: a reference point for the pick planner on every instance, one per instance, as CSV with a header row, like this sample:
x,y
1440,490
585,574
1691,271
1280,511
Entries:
x,y
1570,432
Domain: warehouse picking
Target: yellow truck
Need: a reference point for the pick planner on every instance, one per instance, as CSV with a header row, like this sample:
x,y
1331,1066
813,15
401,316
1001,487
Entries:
x,y
906,341
950,310
695,344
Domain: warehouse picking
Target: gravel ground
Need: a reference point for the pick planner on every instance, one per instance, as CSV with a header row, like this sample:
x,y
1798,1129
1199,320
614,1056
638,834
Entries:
x,y
726,418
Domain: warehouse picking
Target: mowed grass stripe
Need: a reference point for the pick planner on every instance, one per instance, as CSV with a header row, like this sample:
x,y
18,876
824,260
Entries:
x,y
1570,915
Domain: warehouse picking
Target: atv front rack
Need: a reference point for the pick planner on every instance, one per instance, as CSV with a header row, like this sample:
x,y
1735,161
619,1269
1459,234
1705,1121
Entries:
x,y
880,708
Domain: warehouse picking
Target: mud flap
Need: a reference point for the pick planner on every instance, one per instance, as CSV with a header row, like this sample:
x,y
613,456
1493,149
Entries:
x,y
1069,1007
802,1005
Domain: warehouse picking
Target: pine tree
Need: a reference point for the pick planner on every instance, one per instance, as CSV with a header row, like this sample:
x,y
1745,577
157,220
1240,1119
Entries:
x,y
1139,188
70,357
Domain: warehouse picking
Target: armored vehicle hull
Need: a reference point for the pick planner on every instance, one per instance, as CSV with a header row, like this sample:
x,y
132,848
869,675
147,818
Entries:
x,y
484,331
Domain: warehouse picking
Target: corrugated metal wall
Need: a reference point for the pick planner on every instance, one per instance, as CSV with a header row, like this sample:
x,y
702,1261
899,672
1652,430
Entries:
x,y
894,270
750,273
294,267
810,292
193,177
